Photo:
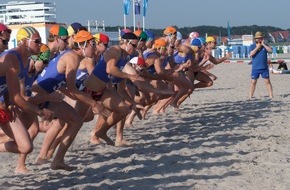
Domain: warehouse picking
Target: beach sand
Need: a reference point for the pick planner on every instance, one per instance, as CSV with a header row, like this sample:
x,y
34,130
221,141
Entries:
x,y
220,140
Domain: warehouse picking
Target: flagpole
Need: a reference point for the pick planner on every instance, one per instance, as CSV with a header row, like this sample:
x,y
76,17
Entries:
x,y
134,24
143,23
125,21
126,4
145,4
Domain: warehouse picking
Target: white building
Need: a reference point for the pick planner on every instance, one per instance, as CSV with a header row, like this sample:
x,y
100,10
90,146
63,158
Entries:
x,y
40,15
23,12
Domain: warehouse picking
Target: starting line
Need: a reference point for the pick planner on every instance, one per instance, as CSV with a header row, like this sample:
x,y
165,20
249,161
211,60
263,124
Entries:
x,y
237,61
287,60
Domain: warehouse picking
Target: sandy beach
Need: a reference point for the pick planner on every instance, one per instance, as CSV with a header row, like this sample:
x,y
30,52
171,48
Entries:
x,y
220,140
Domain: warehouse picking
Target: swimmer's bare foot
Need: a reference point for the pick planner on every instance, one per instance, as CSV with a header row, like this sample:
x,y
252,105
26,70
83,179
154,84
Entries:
x,y
62,166
139,115
21,170
156,111
214,78
174,104
144,115
105,138
95,140
41,160
122,143
162,111
50,154
128,125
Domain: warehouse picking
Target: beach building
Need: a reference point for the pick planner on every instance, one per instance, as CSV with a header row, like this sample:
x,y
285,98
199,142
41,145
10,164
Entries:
x,y
23,12
40,15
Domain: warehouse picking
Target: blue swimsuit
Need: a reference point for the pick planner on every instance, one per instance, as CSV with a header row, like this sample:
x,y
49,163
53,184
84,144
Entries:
x,y
50,80
23,71
100,70
179,60
151,68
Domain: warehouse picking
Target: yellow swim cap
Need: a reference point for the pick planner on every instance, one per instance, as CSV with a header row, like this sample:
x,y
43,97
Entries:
x,y
25,32
210,39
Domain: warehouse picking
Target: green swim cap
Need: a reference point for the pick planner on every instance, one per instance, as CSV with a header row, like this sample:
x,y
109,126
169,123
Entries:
x,y
143,36
44,56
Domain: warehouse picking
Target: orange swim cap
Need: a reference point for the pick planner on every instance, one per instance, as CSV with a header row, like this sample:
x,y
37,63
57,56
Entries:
x,y
169,30
160,42
83,36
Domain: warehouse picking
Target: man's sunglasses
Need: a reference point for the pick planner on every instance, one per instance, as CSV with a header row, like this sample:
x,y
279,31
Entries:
x,y
133,45
65,40
5,42
37,41
106,45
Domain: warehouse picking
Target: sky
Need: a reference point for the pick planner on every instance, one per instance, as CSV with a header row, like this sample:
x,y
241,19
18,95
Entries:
x,y
180,13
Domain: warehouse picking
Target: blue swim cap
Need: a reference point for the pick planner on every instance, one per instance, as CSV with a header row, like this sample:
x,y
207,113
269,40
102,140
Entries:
x,y
202,39
178,36
198,42
150,35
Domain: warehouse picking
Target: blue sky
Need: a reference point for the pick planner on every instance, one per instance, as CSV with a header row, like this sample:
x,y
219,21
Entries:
x,y
162,13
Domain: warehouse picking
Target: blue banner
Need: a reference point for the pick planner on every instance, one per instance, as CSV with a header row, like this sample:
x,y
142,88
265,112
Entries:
x,y
137,7
127,4
145,3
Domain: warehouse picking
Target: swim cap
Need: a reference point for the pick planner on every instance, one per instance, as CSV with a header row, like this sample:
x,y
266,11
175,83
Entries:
x,y
58,30
138,61
25,32
74,28
198,42
193,35
202,39
100,37
83,36
160,42
150,35
129,36
44,53
124,31
138,32
169,30
178,36
141,35
210,39
3,27
43,48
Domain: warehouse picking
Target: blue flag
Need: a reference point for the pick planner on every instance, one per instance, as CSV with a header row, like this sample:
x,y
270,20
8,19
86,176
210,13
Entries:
x,y
137,7
127,4
145,4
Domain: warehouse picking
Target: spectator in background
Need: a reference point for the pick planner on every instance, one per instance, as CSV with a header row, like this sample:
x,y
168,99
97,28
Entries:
x,y
4,37
259,54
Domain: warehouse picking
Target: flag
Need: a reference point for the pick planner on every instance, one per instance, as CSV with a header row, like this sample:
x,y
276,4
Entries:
x,y
272,38
137,7
127,4
119,34
145,3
